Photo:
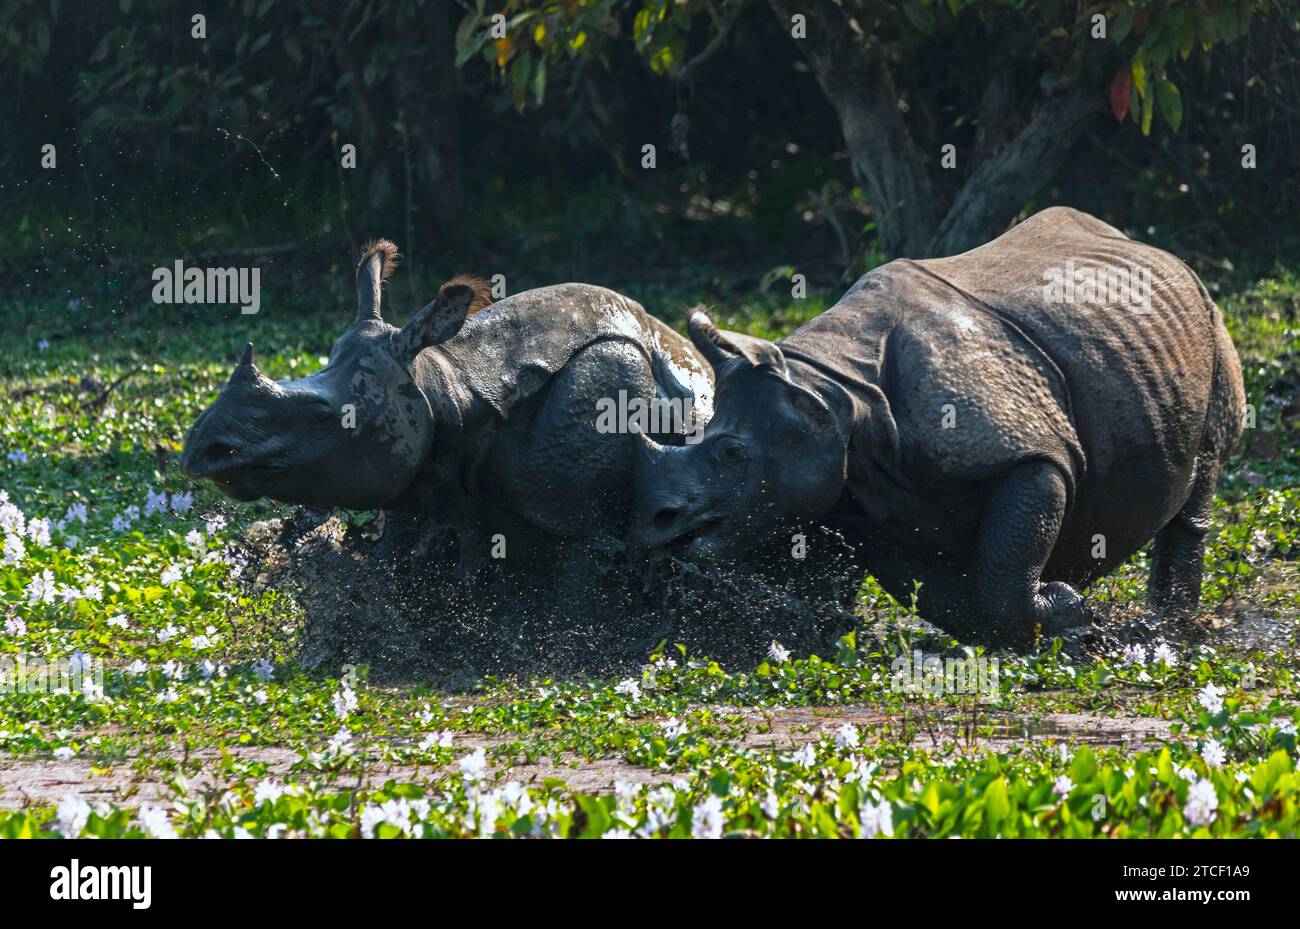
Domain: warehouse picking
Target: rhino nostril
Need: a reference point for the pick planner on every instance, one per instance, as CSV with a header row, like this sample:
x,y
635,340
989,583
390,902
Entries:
x,y
665,518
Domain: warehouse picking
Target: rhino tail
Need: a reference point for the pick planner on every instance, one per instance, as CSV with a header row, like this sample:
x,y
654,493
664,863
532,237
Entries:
x,y
1225,419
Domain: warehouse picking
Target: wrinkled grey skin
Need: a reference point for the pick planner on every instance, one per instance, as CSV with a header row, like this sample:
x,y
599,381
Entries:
x,y
486,425
968,432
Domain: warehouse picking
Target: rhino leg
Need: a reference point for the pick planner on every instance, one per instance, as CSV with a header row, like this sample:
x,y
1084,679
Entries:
x,y
1017,533
397,544
1177,561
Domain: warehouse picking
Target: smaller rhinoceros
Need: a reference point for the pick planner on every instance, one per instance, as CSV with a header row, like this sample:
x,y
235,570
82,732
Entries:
x,y
482,417
975,424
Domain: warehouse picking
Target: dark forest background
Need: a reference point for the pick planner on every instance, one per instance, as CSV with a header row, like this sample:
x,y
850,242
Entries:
x,y
520,151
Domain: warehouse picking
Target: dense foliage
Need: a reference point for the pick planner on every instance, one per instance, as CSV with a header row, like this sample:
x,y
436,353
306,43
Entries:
x,y
512,151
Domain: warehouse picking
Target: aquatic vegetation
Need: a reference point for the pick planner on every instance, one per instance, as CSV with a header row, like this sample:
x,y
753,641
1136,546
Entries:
x,y
161,673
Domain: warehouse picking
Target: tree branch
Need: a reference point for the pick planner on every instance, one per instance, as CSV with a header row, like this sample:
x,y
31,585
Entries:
x,y
721,31
1001,184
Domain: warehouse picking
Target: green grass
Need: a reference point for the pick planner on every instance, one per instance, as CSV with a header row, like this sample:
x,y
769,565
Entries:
x,y
200,680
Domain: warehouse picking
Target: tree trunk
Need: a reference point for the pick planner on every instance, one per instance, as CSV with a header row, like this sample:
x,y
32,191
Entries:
x,y
407,130
858,85
912,219
429,91
997,189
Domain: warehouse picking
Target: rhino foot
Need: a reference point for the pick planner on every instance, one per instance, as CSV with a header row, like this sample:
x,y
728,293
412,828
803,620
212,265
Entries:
x,y
1017,533
1059,608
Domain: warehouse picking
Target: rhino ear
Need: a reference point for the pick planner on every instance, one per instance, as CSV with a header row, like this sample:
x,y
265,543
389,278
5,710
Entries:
x,y
812,406
717,345
378,261
435,323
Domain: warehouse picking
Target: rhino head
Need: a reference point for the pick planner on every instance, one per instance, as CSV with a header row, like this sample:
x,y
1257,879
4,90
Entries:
x,y
770,454
353,434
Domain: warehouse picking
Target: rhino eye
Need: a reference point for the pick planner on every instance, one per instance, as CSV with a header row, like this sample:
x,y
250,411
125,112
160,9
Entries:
x,y
733,452
322,411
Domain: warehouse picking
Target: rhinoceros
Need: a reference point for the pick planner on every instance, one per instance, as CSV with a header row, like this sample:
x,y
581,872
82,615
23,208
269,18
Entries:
x,y
1004,426
484,422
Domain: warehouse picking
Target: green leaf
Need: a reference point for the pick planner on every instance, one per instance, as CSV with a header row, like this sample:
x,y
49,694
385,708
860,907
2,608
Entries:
x,y
539,82
1171,103
1122,26
597,816
1165,767
473,42
929,798
1266,775
1084,766
1138,68
1205,27
997,806
520,72
1187,36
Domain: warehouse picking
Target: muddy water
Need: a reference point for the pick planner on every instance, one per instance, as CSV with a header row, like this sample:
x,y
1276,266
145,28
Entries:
x,y
592,611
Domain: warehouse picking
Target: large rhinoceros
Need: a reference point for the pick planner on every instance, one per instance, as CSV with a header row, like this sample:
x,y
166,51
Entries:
x,y
484,421
1004,426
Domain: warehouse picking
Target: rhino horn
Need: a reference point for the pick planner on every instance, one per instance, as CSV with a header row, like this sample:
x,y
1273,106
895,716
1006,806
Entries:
x,y
248,378
378,261
246,372
649,452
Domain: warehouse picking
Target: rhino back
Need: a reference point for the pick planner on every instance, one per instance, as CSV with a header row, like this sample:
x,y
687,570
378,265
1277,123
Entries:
x,y
1151,385
965,392
515,346
1140,376
1125,398
540,361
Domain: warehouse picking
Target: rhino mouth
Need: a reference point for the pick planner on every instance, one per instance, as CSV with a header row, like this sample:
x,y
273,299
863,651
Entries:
x,y
691,538
224,466
243,480
246,482
241,472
